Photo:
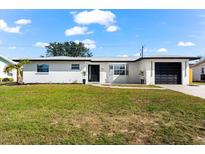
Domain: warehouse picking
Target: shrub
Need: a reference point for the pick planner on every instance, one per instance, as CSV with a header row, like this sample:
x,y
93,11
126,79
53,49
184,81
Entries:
x,y
7,80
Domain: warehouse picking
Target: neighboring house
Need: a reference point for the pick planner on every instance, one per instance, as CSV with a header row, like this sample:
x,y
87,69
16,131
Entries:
x,y
198,71
156,70
3,63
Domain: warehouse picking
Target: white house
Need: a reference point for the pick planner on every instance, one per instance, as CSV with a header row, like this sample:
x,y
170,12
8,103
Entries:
x,y
156,70
198,71
3,63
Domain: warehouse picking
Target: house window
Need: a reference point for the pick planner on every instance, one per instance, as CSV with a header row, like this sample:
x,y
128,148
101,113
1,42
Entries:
x,y
120,69
202,70
9,74
75,66
42,68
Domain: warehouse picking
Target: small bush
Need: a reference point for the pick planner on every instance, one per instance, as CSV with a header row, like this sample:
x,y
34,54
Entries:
x,y
7,80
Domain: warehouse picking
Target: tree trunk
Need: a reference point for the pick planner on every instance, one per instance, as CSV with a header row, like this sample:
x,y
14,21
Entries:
x,y
18,76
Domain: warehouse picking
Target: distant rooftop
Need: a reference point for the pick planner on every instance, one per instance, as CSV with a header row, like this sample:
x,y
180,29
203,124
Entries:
x,y
202,60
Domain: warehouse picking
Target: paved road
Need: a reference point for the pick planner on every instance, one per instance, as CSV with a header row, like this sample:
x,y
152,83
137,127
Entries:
x,y
198,91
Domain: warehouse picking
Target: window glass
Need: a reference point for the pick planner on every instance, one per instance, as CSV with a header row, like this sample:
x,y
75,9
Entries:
x,y
119,66
120,69
10,74
42,68
75,66
202,70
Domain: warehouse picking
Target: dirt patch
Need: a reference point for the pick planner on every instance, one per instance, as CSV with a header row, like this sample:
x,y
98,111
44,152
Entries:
x,y
136,128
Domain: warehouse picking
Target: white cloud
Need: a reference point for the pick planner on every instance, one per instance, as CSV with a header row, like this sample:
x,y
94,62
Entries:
x,y
136,55
186,44
124,56
105,18
90,44
112,28
4,27
77,30
23,21
162,50
41,44
201,15
12,47
73,12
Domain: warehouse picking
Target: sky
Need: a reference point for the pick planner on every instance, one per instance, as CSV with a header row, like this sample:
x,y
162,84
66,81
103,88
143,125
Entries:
x,y
107,33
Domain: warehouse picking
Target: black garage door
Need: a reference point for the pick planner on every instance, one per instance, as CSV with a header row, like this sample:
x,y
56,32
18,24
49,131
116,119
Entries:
x,y
167,73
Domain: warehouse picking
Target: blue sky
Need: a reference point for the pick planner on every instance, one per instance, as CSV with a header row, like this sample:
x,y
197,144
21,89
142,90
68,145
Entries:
x,y
24,33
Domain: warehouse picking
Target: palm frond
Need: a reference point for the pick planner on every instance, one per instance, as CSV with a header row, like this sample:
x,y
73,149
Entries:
x,y
23,62
9,68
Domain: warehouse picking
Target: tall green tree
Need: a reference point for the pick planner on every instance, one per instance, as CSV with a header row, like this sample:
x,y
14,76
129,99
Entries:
x,y
71,49
18,68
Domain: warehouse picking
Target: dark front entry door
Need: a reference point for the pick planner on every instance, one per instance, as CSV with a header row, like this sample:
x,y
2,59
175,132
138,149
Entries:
x,y
168,73
93,73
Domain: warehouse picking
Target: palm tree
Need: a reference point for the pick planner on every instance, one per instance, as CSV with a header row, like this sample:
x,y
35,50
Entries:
x,y
18,68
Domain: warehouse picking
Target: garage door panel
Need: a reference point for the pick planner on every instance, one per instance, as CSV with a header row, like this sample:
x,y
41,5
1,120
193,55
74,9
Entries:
x,y
167,73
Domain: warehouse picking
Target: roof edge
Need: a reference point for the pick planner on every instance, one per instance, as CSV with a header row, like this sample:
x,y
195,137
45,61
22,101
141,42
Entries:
x,y
7,59
171,57
120,60
200,62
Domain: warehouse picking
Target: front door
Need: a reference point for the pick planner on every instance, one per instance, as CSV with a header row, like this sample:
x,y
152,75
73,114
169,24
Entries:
x,y
93,73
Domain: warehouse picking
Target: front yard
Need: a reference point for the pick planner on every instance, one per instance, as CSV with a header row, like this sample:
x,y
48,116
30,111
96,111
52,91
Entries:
x,y
83,114
132,85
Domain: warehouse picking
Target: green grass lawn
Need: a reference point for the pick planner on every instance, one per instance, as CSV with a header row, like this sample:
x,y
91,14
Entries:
x,y
82,114
7,83
199,83
132,85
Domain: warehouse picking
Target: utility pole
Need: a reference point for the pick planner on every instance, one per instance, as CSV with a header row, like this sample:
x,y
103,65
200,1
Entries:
x,y
142,51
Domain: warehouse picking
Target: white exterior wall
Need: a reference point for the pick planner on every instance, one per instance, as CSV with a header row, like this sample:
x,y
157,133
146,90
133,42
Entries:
x,y
107,75
196,71
145,65
60,72
3,64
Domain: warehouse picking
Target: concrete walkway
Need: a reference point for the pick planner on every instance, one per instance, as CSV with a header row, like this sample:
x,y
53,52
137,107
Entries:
x,y
131,87
198,90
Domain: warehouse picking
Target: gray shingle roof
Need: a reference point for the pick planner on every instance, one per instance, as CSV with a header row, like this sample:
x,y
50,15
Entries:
x,y
65,58
106,59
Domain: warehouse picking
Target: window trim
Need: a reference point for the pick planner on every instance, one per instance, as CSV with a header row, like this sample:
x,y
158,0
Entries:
x,y
75,69
42,69
126,72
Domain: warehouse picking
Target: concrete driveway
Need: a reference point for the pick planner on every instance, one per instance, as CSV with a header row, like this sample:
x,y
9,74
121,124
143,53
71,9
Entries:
x,y
198,90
